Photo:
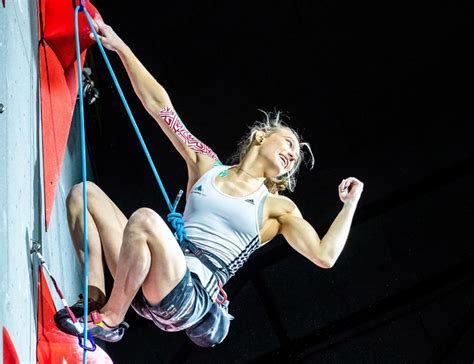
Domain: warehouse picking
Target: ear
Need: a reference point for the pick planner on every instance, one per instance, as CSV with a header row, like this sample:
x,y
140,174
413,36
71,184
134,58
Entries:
x,y
259,136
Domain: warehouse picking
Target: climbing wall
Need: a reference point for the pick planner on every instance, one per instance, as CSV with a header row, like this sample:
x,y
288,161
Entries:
x,y
20,193
22,201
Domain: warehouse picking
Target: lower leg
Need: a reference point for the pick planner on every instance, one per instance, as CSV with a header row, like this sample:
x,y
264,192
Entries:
x,y
96,278
134,263
106,224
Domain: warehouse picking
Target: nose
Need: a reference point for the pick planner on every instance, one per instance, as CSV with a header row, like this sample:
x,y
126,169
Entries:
x,y
291,156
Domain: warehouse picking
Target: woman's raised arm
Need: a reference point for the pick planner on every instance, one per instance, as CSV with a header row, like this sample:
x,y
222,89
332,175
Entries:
x,y
198,156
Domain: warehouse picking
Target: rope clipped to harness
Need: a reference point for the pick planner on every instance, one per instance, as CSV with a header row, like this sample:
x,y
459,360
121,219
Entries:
x,y
176,221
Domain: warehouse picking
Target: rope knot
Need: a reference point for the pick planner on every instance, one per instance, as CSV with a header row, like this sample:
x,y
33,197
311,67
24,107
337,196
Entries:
x,y
177,222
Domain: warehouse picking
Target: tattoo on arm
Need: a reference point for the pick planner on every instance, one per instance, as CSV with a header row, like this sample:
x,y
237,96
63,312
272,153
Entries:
x,y
176,125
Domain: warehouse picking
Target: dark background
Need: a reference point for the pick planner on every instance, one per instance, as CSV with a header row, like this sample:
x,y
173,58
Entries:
x,y
383,91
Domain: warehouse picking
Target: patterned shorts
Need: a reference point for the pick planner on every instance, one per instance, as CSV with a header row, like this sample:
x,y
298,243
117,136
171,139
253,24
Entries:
x,y
188,307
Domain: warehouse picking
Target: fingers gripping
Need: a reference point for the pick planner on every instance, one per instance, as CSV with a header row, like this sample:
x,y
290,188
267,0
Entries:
x,y
350,189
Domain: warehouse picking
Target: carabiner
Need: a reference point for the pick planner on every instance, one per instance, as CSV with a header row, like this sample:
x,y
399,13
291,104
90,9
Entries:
x,y
89,338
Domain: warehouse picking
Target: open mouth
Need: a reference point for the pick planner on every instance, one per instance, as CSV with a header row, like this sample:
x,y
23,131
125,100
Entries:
x,y
284,161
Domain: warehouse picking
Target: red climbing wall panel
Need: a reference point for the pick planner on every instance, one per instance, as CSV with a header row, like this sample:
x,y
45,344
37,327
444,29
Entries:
x,y
58,83
9,352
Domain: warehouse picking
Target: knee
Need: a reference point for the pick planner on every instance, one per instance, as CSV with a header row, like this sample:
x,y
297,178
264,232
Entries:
x,y
145,220
74,199
146,226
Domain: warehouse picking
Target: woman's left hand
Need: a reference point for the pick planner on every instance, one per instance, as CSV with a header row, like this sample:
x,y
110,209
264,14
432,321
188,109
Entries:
x,y
350,190
107,35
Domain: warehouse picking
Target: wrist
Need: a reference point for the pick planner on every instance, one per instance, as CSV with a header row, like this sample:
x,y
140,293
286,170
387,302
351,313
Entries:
x,y
350,204
122,49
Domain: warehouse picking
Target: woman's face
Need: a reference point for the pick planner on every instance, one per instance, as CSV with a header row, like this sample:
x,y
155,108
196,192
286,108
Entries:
x,y
281,150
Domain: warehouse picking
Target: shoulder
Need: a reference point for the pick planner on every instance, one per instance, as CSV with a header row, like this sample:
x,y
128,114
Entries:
x,y
279,210
198,170
279,205
207,165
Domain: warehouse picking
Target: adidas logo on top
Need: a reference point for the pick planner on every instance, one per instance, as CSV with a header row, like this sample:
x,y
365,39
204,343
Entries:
x,y
250,201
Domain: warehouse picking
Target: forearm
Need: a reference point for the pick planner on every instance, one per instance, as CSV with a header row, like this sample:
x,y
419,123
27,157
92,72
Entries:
x,y
304,239
156,100
333,242
148,90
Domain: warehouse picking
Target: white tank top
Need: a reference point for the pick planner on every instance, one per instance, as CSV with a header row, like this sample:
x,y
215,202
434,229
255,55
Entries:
x,y
226,226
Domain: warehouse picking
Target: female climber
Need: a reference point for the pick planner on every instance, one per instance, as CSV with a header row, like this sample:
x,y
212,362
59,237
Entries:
x,y
231,210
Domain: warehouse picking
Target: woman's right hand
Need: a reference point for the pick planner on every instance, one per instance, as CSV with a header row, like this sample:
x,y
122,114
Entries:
x,y
107,36
350,190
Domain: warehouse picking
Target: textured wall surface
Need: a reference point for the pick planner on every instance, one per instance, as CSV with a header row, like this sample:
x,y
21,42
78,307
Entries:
x,y
19,173
21,197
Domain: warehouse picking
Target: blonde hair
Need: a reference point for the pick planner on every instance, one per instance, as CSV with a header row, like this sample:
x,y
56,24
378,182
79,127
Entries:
x,y
272,123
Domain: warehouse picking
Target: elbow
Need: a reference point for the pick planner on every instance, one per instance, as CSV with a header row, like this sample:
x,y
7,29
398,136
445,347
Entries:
x,y
152,105
155,102
324,263
327,265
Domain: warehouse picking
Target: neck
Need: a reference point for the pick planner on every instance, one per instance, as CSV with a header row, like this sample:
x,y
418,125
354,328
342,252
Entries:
x,y
240,169
248,174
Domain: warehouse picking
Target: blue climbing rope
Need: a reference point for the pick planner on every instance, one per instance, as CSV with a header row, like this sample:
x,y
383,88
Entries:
x,y
174,218
129,112
85,336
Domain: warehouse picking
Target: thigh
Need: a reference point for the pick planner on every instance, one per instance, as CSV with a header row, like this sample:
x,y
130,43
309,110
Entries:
x,y
167,263
110,222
